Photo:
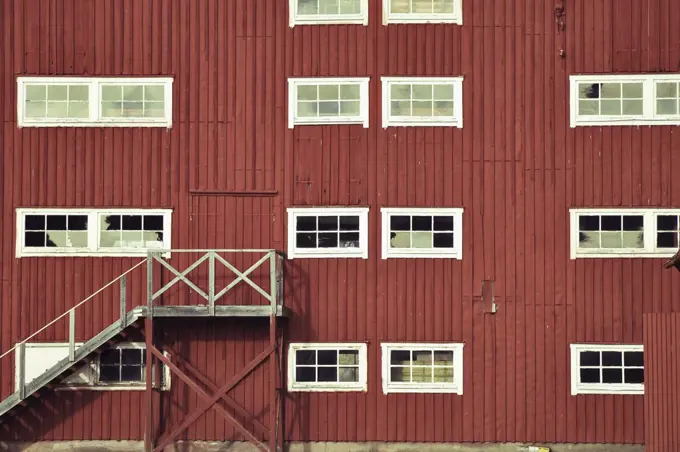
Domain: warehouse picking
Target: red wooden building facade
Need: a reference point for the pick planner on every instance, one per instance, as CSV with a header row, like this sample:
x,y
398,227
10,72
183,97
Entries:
x,y
511,298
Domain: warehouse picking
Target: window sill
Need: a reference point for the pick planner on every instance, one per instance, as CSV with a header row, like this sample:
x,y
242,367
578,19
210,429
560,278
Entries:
x,y
430,255
603,390
326,388
405,123
625,255
298,255
625,122
159,124
424,19
330,122
423,389
347,20
24,254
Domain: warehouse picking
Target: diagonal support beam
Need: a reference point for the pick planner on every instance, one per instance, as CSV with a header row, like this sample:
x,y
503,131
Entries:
x,y
213,387
244,277
210,402
181,276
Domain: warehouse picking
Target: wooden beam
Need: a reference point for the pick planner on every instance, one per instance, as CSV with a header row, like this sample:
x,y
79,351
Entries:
x,y
210,401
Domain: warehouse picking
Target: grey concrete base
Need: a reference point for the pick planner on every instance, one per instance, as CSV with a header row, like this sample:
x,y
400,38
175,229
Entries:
x,y
201,446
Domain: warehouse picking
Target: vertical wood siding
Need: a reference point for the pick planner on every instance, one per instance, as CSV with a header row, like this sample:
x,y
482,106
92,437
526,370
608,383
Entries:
x,y
516,167
662,426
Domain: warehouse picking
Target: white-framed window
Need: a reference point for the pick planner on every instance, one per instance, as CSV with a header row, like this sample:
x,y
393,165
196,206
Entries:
x,y
625,99
422,232
94,101
328,232
607,369
424,368
327,367
422,101
327,12
92,232
606,232
327,100
122,367
422,11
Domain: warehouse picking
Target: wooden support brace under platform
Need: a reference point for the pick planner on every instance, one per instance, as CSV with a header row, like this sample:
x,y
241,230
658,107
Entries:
x,y
211,401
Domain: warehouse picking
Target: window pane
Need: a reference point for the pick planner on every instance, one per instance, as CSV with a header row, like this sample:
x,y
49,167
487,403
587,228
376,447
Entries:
x,y
327,374
634,359
305,357
348,374
634,376
590,358
611,359
590,375
327,357
305,374
613,375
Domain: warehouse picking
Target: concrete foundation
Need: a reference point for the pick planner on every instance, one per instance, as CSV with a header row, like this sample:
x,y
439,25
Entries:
x,y
201,446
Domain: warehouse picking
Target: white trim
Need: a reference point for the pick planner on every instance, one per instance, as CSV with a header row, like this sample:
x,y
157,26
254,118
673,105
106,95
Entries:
x,y
360,252
93,249
649,116
294,82
601,388
431,121
419,18
398,387
328,19
649,234
90,372
432,253
359,386
95,85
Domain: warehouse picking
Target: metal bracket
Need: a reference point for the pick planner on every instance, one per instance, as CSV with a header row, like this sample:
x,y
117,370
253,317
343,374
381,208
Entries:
x,y
488,297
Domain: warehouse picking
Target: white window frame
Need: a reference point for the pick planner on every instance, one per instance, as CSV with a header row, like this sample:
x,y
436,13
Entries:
x,y
403,121
297,253
87,376
424,388
649,234
430,253
294,120
418,18
93,249
649,116
95,85
601,388
350,19
359,386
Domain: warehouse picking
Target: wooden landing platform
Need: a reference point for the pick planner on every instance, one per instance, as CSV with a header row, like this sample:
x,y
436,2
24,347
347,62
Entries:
x,y
220,311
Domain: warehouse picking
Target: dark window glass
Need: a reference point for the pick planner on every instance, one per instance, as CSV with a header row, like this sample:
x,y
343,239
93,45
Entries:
x,y
109,373
590,358
632,223
305,357
328,373
305,374
667,240
612,375
110,357
400,223
35,223
306,224
400,356
153,222
421,223
56,222
328,223
611,359
328,357
132,373
349,223
132,356
443,240
589,222
77,222
634,376
590,375
34,239
667,222
305,240
132,222
328,240
443,223
611,222
633,359
114,223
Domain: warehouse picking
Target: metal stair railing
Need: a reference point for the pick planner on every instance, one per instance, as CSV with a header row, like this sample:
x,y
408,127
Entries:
x,y
76,353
